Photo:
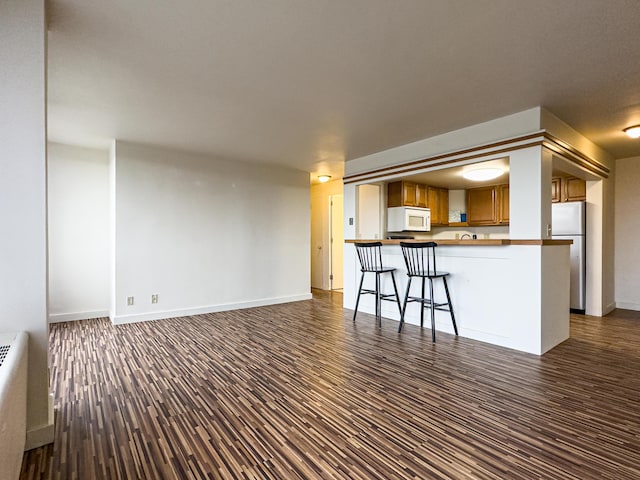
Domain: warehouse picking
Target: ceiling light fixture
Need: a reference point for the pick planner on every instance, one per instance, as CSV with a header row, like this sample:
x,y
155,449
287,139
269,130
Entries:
x,y
324,178
633,132
480,174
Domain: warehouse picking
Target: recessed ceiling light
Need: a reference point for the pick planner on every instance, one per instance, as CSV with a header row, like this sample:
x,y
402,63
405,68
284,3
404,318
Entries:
x,y
324,178
480,174
633,132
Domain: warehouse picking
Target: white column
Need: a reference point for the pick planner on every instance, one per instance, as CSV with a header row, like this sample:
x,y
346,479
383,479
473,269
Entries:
x,y
594,250
545,299
23,207
349,258
530,194
112,230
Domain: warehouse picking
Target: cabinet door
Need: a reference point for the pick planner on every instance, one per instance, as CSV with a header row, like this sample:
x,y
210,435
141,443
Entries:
x,y
421,196
394,194
481,206
402,194
410,194
575,189
432,194
443,206
556,189
503,204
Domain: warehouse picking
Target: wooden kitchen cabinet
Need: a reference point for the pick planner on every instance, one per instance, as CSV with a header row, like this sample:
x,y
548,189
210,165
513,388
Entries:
x,y
556,189
502,194
481,206
568,189
488,205
438,203
575,189
411,194
407,194
422,199
402,194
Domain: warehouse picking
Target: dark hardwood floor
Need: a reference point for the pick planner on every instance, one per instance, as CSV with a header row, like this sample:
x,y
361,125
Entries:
x,y
299,391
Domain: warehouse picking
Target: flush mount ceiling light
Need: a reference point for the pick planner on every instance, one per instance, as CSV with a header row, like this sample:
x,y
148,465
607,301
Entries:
x,y
480,174
324,178
633,132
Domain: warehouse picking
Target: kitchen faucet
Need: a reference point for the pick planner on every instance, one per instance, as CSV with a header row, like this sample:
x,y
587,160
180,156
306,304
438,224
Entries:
x,y
465,235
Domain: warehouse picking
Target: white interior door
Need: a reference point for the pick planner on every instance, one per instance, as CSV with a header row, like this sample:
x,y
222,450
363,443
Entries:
x,y
336,239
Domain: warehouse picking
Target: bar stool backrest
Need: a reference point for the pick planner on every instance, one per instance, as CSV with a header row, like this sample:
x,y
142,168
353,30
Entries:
x,y
370,256
420,258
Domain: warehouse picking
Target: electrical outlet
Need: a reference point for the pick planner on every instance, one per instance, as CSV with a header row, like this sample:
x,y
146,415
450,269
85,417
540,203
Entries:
x,y
154,298
129,300
350,220
457,236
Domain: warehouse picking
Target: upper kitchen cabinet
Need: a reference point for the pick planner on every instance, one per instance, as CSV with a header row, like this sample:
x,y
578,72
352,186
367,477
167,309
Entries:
x,y
402,194
422,199
438,203
556,189
488,205
575,189
502,193
568,189
407,194
481,206
411,194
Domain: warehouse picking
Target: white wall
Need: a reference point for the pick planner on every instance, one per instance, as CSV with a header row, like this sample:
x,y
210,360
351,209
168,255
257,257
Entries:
x,y
23,207
78,205
320,242
627,233
369,219
206,234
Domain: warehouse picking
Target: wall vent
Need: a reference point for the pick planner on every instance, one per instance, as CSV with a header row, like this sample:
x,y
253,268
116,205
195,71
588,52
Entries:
x,y
4,349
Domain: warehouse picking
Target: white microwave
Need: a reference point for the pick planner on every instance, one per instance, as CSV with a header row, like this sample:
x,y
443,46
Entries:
x,y
408,219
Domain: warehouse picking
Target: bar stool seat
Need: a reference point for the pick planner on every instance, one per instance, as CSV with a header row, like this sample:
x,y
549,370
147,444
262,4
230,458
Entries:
x,y
420,259
370,257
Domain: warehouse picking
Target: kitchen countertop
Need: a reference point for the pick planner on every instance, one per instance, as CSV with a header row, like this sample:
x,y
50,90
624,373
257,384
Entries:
x,y
478,242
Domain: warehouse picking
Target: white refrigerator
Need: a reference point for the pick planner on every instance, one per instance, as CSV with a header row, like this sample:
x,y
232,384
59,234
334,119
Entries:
x,y
568,222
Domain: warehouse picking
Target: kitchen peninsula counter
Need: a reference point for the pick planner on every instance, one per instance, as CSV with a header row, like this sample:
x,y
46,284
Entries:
x,y
499,292
479,242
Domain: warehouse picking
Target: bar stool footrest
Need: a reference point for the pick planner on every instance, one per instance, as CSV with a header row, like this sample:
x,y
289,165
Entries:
x,y
427,302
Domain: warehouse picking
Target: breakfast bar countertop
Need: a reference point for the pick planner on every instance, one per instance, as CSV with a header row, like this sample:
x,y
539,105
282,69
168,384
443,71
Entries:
x,y
478,242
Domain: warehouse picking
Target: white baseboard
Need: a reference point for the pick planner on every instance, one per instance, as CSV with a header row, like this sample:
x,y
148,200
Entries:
x,y
159,315
38,437
610,308
628,305
43,435
71,317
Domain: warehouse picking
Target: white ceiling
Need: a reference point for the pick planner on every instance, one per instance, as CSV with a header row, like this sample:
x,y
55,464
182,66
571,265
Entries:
x,y
452,178
311,83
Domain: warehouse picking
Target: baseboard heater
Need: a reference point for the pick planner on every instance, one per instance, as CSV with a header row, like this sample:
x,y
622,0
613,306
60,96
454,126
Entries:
x,y
13,402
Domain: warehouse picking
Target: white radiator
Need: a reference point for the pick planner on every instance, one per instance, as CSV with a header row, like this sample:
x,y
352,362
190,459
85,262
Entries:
x,y
13,402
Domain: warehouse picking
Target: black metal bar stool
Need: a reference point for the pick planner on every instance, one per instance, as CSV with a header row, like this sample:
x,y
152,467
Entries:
x,y
420,259
370,256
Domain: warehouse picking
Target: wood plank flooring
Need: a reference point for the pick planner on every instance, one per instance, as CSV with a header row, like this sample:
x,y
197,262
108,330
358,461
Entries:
x,y
299,391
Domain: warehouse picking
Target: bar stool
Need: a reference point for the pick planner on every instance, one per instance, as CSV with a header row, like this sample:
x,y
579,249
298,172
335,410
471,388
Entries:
x,y
420,259
370,256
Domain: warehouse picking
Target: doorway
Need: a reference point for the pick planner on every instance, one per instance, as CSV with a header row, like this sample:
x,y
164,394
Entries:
x,y
336,241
